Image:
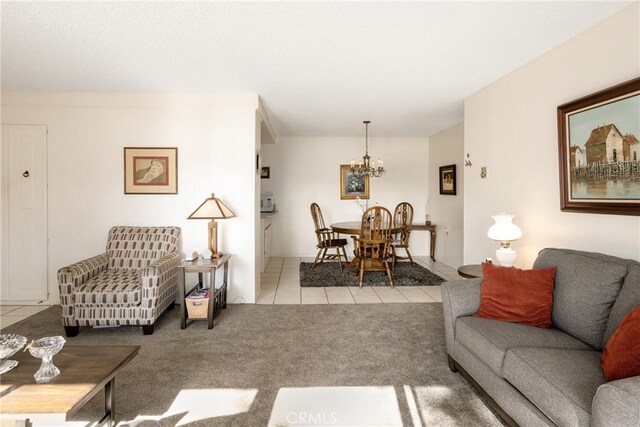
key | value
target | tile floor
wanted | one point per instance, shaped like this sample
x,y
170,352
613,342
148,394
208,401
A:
x,y
10,314
281,285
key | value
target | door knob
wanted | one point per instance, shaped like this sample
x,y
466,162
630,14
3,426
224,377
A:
x,y
26,174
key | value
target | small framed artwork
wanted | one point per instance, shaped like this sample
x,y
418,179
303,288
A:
x,y
265,173
599,151
448,180
150,170
353,186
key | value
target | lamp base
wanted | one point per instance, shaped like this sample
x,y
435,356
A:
x,y
506,256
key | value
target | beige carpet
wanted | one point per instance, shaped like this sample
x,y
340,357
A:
x,y
295,365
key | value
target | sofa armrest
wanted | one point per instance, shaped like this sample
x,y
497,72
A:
x,y
159,285
617,404
80,272
160,266
74,275
459,298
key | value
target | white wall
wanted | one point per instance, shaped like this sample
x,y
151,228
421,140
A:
x,y
306,170
446,211
510,126
215,136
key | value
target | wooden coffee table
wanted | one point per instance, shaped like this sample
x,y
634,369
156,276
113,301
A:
x,y
84,371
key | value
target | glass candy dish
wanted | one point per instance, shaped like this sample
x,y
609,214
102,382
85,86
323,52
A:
x,y
9,344
45,348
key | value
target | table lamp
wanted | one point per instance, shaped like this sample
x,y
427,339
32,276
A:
x,y
212,208
504,231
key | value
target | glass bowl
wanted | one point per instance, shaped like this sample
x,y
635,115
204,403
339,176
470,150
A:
x,y
9,344
45,348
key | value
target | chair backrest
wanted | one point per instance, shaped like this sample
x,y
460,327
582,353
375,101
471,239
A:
x,y
133,248
403,218
318,222
376,223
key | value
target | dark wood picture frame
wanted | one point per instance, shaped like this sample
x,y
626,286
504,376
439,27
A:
x,y
265,173
140,175
448,180
577,165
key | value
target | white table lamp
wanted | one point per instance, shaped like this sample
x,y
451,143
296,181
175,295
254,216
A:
x,y
504,231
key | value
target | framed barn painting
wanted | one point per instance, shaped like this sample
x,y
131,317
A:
x,y
150,170
599,151
353,186
448,180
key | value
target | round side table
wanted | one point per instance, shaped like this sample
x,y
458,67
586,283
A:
x,y
470,271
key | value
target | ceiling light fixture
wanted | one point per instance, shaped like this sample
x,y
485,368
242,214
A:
x,y
364,168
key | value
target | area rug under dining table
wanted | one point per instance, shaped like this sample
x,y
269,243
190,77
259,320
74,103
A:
x,y
329,274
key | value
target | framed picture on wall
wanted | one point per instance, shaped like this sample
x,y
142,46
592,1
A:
x,y
353,186
150,170
599,151
448,180
265,173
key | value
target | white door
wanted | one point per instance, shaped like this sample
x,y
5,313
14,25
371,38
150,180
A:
x,y
24,213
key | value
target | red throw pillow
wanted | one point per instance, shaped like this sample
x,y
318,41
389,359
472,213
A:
x,y
514,295
621,356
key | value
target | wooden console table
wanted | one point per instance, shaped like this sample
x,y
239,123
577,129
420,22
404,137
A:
x,y
431,228
84,372
217,297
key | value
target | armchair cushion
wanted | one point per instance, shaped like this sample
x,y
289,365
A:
x,y
136,247
110,288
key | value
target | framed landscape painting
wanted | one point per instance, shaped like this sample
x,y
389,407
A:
x,y
353,186
448,180
599,151
150,170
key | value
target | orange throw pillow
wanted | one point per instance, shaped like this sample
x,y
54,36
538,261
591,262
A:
x,y
621,356
514,295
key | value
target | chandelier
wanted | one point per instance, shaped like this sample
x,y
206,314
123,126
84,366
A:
x,y
365,168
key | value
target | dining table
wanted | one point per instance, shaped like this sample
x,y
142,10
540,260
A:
x,y
352,228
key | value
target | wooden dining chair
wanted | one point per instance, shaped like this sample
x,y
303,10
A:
x,y
373,245
327,239
402,219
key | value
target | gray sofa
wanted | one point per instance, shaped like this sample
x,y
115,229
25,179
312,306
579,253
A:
x,y
541,377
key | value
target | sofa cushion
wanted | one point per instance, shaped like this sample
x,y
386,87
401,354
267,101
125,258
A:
x,y
587,285
490,339
621,356
514,295
110,288
137,247
628,298
561,383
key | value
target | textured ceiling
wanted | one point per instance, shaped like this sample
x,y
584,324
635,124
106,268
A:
x,y
320,67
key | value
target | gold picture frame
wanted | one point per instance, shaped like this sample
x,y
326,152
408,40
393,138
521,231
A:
x,y
352,186
150,170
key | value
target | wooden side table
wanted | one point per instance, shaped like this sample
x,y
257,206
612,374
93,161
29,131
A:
x,y
217,297
470,271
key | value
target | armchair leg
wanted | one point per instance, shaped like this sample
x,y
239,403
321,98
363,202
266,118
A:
x,y
171,306
147,329
71,331
361,263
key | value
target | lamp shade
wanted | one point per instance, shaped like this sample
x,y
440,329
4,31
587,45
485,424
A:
x,y
504,230
212,208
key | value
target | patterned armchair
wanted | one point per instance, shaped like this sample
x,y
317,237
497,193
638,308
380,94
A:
x,y
132,283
